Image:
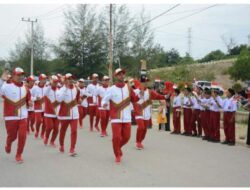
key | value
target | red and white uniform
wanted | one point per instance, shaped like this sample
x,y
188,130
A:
x,y
229,109
83,105
16,98
31,115
205,116
120,96
177,114
143,113
215,118
68,114
104,112
50,114
37,94
187,115
91,92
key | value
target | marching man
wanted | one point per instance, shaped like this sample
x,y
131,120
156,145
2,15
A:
x,y
91,92
187,111
16,100
68,96
83,104
143,109
37,94
51,111
30,81
104,112
120,96
176,112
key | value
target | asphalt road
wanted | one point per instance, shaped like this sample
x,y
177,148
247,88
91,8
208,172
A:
x,y
167,161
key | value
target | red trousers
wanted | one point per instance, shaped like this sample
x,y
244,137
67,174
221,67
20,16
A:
x,y
40,121
177,120
196,118
187,120
121,135
215,125
51,124
205,122
141,129
16,128
82,114
229,126
93,111
64,126
30,121
104,115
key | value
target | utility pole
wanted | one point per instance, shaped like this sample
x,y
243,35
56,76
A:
x,y
32,45
189,41
110,46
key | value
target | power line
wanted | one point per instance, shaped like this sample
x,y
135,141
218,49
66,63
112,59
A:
x,y
185,17
150,20
51,12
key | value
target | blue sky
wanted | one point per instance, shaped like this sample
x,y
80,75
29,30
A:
x,y
230,20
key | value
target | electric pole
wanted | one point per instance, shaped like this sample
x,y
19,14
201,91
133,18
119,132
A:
x,y
110,46
32,45
189,41
248,40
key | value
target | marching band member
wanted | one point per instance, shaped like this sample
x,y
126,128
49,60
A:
x,y
31,114
37,94
120,96
177,112
68,96
83,105
91,92
51,111
187,111
104,112
16,100
196,114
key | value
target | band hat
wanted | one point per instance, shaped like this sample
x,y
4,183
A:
x,y
54,78
81,80
42,76
18,71
106,78
30,78
119,70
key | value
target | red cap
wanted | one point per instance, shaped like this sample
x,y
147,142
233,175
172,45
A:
x,y
42,76
30,78
69,76
18,71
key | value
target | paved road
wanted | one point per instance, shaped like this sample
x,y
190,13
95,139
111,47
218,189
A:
x,y
167,160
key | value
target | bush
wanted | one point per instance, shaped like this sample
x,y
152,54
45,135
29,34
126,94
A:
x,y
237,87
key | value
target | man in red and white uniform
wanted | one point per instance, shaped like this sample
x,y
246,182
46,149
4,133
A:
x,y
68,96
83,104
104,112
51,111
37,94
143,112
31,114
120,96
16,100
91,92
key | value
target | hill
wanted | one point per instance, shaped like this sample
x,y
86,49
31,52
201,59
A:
x,y
211,71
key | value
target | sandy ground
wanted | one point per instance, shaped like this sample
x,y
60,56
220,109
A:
x,y
167,161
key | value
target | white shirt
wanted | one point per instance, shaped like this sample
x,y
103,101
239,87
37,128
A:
x,y
177,101
230,105
186,102
214,106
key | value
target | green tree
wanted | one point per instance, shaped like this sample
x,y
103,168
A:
x,y
241,68
213,55
20,55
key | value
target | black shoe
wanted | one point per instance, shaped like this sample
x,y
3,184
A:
x,y
216,141
204,138
194,135
231,143
173,133
224,142
184,133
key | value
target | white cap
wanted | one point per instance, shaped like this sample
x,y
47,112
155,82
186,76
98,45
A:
x,y
68,75
117,71
105,77
95,75
81,80
17,71
54,78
